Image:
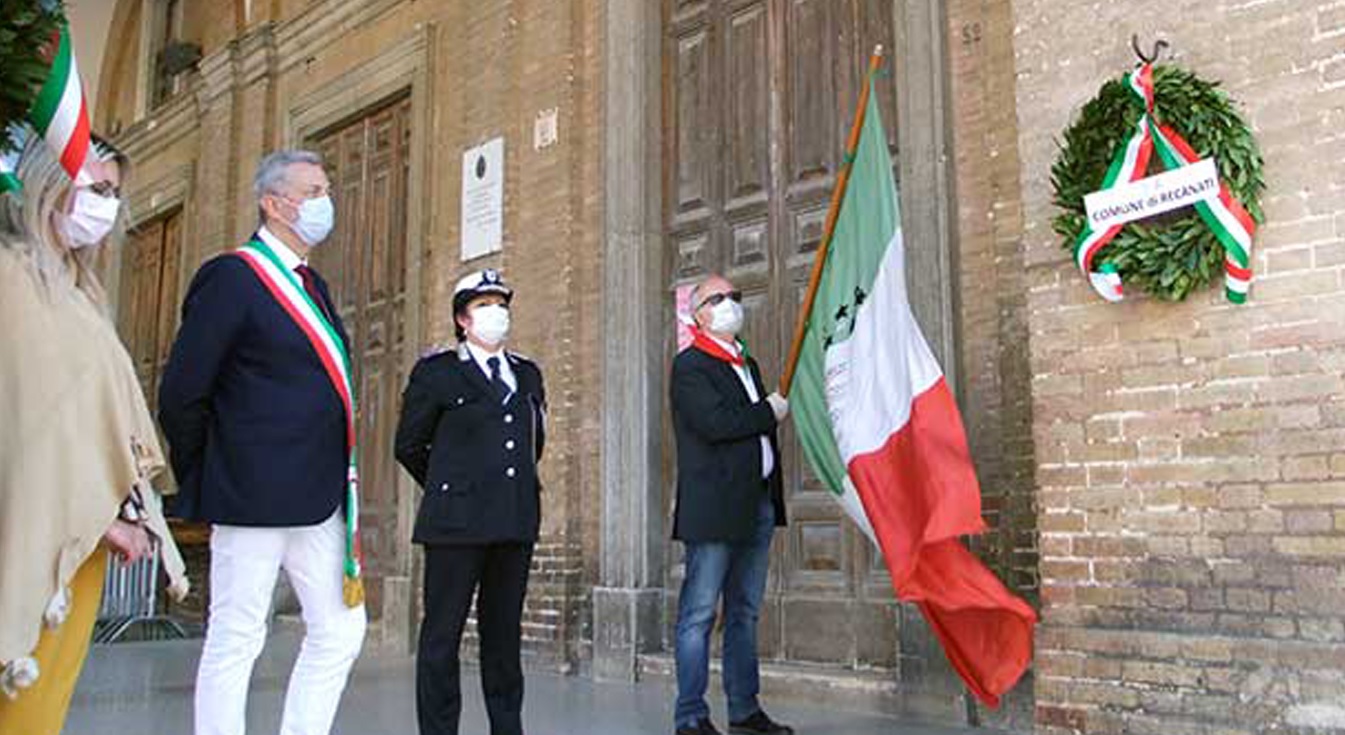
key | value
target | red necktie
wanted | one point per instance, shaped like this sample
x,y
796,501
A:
x,y
311,286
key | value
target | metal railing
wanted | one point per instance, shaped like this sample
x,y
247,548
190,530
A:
x,y
130,598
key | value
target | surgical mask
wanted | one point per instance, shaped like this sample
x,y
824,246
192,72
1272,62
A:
x,y
490,323
90,219
316,218
726,317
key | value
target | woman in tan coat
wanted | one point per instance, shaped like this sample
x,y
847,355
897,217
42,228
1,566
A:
x,y
77,444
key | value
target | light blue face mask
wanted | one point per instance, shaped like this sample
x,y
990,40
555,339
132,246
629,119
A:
x,y
317,216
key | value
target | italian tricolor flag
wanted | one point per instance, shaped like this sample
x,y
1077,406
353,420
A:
x,y
882,430
60,114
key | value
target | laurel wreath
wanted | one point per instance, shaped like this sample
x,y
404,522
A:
x,y
26,28
1171,255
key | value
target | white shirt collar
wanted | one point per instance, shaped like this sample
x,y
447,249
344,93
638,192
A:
x,y
288,258
731,347
481,354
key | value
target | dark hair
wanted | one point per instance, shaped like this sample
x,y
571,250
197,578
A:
x,y
458,331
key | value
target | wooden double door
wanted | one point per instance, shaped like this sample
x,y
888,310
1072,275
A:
x,y
364,261
148,305
759,99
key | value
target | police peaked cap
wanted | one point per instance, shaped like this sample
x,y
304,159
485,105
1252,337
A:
x,y
477,284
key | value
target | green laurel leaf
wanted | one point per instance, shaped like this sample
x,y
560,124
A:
x,y
1172,255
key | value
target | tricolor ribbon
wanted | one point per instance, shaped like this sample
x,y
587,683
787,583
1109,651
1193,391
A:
x,y
335,359
1225,216
60,114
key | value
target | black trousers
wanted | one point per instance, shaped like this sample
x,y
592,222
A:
x,y
498,575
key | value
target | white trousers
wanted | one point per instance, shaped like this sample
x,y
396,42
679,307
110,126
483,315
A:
x,y
244,563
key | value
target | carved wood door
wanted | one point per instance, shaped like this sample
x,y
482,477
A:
x,y
759,99
148,310
364,262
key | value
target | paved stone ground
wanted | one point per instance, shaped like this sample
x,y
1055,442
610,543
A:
x,y
146,689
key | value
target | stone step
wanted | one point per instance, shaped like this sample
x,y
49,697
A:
x,y
871,691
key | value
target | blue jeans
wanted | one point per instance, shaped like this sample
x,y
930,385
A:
x,y
738,571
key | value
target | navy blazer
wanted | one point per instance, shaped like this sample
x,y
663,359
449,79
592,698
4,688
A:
x,y
475,456
718,429
256,431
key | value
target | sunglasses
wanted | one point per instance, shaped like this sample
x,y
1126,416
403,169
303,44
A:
x,y
715,299
105,189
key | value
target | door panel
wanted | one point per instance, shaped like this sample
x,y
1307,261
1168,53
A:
x,y
364,261
148,313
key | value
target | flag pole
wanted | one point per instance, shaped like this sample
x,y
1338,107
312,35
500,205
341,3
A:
x,y
837,196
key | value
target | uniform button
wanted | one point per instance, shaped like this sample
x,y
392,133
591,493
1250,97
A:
x,y
443,488
460,400
509,444
510,472
509,418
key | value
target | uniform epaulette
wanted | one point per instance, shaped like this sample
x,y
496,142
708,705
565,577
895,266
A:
x,y
521,357
437,350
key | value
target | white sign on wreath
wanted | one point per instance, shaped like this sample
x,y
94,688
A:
x,y
1153,195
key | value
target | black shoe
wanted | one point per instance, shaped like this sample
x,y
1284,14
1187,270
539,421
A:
x,y
760,724
704,727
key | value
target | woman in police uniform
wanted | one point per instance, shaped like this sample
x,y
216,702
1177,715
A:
x,y
471,433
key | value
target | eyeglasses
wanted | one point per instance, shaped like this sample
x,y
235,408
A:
x,y
715,299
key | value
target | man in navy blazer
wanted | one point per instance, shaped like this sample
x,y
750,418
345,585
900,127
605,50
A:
x,y
257,435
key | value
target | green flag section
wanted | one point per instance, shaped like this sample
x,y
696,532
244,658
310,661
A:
x,y
880,427
8,181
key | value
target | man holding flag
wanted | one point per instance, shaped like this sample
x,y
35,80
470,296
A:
x,y
880,427
729,500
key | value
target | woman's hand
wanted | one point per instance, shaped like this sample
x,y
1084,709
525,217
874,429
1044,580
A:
x,y
129,540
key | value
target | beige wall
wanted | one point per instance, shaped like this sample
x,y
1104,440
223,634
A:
x,y
90,23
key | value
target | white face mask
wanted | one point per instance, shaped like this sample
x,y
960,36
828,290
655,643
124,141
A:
x,y
726,317
90,219
316,218
490,323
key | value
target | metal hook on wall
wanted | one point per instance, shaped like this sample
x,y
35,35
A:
x,y
1159,45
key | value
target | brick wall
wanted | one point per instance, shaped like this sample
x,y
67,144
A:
x,y
508,62
994,379
1191,457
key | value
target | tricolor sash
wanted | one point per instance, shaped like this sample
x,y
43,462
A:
x,y
290,294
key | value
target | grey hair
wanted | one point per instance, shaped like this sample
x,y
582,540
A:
x,y
273,172
693,299
28,219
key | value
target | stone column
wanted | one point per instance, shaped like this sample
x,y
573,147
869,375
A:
x,y
254,89
216,170
627,602
923,137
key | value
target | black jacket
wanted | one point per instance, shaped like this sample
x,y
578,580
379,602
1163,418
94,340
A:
x,y
719,430
475,457
256,431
